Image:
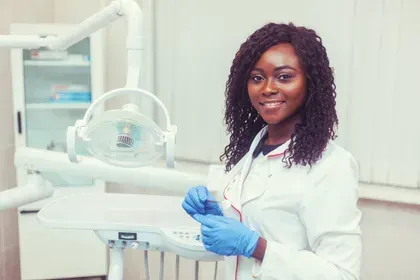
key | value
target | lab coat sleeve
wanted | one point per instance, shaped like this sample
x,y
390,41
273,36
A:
x,y
331,217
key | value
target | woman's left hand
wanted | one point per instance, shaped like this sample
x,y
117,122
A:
x,y
226,236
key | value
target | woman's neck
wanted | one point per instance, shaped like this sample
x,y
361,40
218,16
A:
x,y
281,132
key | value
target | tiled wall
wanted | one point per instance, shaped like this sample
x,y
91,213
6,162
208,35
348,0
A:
x,y
27,11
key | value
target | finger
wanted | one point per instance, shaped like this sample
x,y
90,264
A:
x,y
202,194
189,204
219,219
190,210
205,230
198,217
213,247
195,202
216,220
208,220
211,240
214,211
211,204
207,247
207,235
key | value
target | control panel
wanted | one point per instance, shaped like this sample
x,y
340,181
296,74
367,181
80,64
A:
x,y
186,243
187,238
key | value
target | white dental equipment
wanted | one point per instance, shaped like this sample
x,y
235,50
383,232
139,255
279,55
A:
x,y
122,139
140,222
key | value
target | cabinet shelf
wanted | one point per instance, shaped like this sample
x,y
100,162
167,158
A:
x,y
41,123
57,63
54,106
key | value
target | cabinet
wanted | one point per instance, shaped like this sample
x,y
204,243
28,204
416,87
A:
x,y
51,90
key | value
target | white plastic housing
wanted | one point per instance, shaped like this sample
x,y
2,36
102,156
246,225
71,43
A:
x,y
121,220
35,189
158,178
100,131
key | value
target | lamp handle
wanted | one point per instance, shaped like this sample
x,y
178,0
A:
x,y
121,91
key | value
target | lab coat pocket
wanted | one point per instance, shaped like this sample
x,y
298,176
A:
x,y
285,191
278,210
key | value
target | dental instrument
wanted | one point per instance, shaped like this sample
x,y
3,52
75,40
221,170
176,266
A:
x,y
123,143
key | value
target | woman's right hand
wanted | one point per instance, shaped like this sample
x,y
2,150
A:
x,y
197,202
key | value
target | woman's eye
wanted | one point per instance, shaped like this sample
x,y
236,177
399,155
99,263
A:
x,y
284,77
256,78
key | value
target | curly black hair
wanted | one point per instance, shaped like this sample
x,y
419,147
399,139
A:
x,y
318,117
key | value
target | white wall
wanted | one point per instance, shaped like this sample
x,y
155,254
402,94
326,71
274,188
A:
x,y
391,241
373,46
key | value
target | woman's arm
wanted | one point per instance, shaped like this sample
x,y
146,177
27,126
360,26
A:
x,y
332,219
260,249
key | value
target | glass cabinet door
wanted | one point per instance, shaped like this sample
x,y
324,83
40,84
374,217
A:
x,y
57,87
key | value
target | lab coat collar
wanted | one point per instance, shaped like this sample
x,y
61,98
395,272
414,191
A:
x,y
234,195
279,151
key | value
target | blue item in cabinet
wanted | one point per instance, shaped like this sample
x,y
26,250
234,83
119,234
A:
x,y
71,97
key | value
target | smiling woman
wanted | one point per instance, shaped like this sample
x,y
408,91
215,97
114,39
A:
x,y
277,90
289,65
291,190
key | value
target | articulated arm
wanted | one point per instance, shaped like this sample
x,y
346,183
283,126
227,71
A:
x,y
63,41
24,41
36,189
114,11
156,178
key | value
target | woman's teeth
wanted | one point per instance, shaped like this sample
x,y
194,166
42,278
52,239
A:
x,y
272,104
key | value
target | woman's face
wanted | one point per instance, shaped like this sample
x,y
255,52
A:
x,y
277,84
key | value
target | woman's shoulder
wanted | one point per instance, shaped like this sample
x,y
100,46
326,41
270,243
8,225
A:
x,y
335,159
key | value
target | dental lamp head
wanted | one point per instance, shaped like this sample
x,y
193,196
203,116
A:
x,y
123,137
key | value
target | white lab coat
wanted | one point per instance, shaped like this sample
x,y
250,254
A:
x,y
309,217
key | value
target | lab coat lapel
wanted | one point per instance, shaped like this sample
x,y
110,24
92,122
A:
x,y
255,191
236,198
231,183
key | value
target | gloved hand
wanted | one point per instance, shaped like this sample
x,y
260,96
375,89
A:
x,y
227,236
196,202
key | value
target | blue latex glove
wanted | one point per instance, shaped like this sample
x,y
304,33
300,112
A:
x,y
226,236
195,202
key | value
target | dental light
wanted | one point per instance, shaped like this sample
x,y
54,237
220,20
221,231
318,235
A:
x,y
123,137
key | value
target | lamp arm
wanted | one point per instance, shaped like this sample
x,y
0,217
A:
x,y
156,178
116,92
90,25
24,41
114,11
35,189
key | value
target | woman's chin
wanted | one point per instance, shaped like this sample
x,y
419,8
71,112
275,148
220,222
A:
x,y
271,120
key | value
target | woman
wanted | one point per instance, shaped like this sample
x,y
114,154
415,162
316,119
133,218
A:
x,y
292,191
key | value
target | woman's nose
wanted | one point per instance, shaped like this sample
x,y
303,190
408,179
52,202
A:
x,y
270,87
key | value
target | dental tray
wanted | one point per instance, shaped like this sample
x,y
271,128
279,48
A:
x,y
143,222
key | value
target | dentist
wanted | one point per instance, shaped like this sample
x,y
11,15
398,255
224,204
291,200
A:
x,y
292,190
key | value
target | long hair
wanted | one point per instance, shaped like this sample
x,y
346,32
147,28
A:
x,y
318,117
